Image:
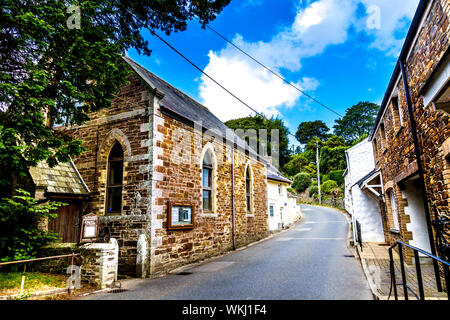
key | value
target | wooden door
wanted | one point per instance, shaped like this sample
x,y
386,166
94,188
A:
x,y
68,222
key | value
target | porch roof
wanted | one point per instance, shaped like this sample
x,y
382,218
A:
x,y
62,179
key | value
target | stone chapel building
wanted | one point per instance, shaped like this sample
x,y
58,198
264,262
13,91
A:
x,y
161,170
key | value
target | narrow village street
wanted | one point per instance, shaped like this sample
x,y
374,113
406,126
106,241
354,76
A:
x,y
310,261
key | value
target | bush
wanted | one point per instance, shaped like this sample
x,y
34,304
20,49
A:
x,y
313,190
325,178
292,190
20,217
328,186
338,176
301,182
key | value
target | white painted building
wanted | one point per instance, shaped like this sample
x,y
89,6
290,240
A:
x,y
282,205
363,190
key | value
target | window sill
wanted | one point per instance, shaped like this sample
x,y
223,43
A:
x,y
209,215
394,231
250,215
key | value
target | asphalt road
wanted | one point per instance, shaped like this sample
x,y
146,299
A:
x,y
310,261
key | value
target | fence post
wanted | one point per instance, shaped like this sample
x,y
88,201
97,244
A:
x,y
402,268
393,274
419,275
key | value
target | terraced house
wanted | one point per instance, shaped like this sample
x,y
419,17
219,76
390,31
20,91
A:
x,y
411,137
170,182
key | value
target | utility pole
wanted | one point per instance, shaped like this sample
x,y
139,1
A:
x,y
318,170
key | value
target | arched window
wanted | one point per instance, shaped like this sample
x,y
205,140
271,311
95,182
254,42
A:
x,y
207,181
114,180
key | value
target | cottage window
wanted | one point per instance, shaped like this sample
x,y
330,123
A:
x,y
383,137
248,189
394,211
279,189
442,102
115,180
271,210
398,117
207,182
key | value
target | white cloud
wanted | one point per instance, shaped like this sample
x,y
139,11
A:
x,y
309,35
394,16
320,24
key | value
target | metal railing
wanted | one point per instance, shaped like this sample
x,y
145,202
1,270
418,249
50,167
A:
x,y
358,234
406,287
71,271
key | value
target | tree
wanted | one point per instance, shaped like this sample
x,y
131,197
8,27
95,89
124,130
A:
x,y
48,65
312,129
260,122
332,154
301,182
328,186
358,120
296,165
19,220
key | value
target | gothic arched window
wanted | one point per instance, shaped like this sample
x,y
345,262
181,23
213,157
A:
x,y
114,180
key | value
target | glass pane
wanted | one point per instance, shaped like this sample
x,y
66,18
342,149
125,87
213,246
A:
x,y
115,173
206,200
271,211
206,178
248,203
207,159
116,152
115,200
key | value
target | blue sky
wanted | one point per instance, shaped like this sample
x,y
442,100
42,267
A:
x,y
339,51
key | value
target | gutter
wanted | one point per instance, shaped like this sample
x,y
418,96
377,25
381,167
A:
x,y
420,169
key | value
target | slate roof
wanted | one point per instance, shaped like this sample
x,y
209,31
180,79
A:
x,y
274,174
63,178
180,104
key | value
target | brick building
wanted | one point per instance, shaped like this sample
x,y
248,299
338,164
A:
x,y
160,168
416,104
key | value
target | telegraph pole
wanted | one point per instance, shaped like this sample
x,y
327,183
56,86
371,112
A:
x,y
318,170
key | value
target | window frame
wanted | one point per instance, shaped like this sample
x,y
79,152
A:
x,y
110,187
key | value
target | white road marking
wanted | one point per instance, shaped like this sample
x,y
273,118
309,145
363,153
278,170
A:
x,y
303,229
289,239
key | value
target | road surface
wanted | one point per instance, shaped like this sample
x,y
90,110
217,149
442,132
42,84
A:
x,y
309,261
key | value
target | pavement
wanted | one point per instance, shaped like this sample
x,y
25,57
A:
x,y
376,265
310,261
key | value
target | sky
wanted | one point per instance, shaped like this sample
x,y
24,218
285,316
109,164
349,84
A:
x,y
340,52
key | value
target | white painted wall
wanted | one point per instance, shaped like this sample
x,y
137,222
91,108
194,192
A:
x,y
294,211
279,203
361,204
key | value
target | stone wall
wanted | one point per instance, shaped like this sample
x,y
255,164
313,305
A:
x,y
177,158
127,121
396,156
98,262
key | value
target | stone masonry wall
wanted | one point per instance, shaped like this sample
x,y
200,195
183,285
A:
x,y
128,122
177,162
396,156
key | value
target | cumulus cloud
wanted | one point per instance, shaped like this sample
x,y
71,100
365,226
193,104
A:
x,y
320,24
393,16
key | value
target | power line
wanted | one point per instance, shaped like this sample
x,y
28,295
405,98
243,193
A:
x,y
202,71
273,72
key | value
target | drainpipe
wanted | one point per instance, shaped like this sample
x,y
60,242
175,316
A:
x,y
232,194
420,170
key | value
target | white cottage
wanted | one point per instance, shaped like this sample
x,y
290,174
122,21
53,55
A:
x,y
362,194
282,205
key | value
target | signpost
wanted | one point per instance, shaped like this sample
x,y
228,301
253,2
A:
x,y
89,228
